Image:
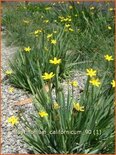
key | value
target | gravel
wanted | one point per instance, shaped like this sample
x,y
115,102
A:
x,y
11,141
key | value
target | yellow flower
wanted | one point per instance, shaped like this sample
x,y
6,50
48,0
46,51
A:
x,y
37,32
70,7
111,9
43,114
56,106
70,20
8,72
55,61
109,27
113,83
49,36
53,41
76,15
61,17
70,29
27,49
67,25
92,8
78,107
78,2
26,21
48,8
65,19
91,72
74,83
46,21
48,76
11,89
95,82
108,57
55,32
13,120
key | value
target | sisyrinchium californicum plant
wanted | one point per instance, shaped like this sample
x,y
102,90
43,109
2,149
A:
x,y
78,34
30,59
63,124
53,39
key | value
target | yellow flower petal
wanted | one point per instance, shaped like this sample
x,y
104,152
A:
x,y
11,89
55,61
113,83
74,83
27,49
48,76
8,72
109,27
78,107
91,72
13,120
43,114
108,57
53,41
56,106
95,82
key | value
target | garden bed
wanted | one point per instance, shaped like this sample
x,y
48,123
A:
x,y
60,78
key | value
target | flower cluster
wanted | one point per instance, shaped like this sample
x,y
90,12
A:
x,y
92,74
37,32
65,19
49,37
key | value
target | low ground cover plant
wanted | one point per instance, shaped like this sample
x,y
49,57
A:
x,y
56,39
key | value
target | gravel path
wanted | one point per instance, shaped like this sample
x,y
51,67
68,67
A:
x,y
11,142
